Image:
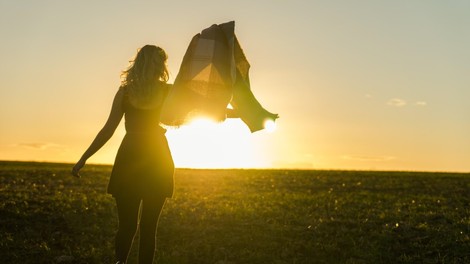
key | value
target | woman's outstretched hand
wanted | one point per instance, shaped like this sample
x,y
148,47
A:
x,y
76,169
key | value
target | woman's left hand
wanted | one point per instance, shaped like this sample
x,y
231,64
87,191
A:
x,y
76,169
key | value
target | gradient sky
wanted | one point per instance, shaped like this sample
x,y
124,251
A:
x,y
363,85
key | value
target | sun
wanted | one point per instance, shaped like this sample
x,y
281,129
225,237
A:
x,y
206,144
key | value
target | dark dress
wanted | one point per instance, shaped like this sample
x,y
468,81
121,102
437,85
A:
x,y
144,166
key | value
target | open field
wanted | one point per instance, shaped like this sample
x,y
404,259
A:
x,y
242,216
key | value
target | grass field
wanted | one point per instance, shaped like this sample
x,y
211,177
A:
x,y
242,216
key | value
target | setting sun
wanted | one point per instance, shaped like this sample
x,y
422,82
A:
x,y
206,144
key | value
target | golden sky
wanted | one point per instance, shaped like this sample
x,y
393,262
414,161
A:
x,y
358,84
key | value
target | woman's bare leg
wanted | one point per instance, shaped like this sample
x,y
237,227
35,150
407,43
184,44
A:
x,y
151,209
128,211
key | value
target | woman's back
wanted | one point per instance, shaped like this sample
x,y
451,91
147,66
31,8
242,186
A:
x,y
141,120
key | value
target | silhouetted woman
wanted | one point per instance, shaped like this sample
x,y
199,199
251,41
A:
x,y
143,169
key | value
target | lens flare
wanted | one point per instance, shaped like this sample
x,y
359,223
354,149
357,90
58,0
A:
x,y
270,125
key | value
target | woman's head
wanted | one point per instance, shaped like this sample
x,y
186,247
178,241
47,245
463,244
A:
x,y
146,72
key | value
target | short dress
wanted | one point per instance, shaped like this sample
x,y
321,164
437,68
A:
x,y
143,166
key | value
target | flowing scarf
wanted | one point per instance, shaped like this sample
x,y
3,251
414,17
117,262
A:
x,y
212,75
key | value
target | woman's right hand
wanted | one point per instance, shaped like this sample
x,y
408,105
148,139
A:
x,y
76,169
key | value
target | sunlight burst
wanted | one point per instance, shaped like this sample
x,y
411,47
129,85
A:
x,y
270,125
206,144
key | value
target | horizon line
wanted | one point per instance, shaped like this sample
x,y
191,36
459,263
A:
x,y
251,168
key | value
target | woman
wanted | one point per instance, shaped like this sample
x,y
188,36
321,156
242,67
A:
x,y
143,169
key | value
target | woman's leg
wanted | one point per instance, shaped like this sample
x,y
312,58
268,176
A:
x,y
128,211
151,209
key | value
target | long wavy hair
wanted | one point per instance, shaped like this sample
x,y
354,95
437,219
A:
x,y
145,78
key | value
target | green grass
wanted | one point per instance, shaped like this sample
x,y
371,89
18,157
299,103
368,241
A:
x,y
242,216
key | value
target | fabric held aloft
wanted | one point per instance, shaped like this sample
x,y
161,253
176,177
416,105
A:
x,y
212,75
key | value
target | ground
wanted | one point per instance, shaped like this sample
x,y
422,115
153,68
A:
x,y
242,216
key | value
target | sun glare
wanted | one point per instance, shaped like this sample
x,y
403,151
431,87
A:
x,y
270,125
206,144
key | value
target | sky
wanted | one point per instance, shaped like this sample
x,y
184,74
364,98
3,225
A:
x,y
358,85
